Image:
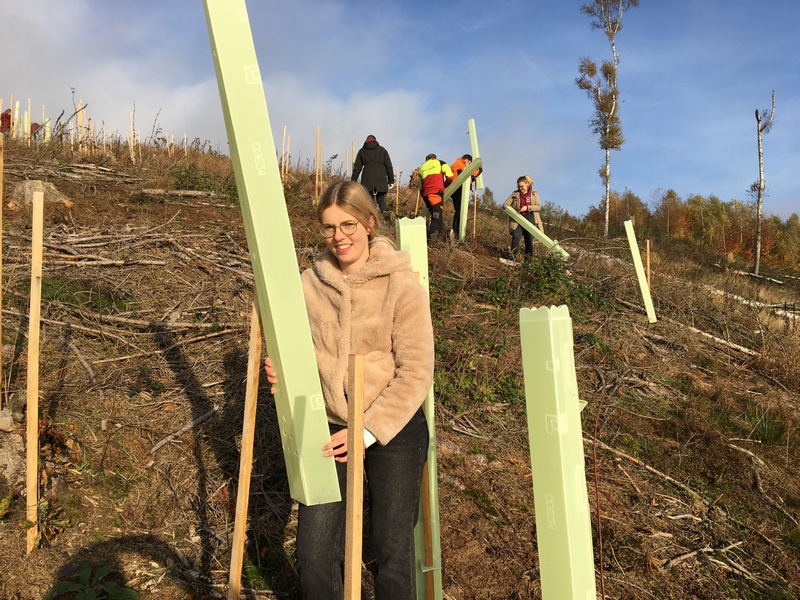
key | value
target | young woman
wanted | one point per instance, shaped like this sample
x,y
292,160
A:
x,y
527,203
363,298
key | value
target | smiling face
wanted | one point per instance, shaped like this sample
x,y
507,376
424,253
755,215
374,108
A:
x,y
351,250
522,186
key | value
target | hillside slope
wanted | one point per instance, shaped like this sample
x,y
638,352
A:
x,y
691,451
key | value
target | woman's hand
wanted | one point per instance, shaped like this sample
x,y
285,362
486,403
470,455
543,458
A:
x,y
272,376
337,447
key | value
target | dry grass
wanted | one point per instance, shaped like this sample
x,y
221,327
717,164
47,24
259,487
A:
x,y
132,353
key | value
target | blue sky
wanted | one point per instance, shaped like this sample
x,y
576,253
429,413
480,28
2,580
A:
x,y
692,74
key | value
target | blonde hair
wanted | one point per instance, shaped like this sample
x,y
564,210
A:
x,y
351,197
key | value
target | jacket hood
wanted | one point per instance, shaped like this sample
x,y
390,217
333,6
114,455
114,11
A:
x,y
383,260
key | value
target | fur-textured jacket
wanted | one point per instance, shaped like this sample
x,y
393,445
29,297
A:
x,y
382,312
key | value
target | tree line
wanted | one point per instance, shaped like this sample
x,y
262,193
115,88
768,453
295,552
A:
x,y
728,228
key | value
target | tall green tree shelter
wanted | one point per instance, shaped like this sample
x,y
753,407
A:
x,y
763,125
600,84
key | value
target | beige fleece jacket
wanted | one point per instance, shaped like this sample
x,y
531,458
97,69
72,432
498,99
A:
x,y
382,312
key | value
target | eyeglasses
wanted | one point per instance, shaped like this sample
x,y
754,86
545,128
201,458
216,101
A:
x,y
346,227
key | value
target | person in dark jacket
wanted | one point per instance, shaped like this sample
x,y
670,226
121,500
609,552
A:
x,y
378,173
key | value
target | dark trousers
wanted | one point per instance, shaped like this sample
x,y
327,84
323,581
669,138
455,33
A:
x,y
457,215
521,232
380,198
436,224
394,476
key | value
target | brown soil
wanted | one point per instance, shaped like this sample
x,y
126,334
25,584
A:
x,y
144,329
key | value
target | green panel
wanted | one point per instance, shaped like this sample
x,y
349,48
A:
x,y
473,140
563,528
412,238
462,220
299,401
637,263
550,244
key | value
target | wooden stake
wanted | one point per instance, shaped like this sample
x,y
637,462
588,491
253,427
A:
x,y
648,264
416,206
425,491
397,192
283,154
32,417
2,394
246,456
475,214
316,170
355,479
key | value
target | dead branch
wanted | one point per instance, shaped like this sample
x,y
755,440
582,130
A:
x,y
182,193
767,497
199,338
647,467
184,429
669,563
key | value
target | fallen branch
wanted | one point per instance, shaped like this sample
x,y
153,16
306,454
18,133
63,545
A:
x,y
183,193
715,338
767,497
199,420
707,550
647,467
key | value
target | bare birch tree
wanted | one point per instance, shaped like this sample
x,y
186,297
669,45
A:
x,y
601,85
763,125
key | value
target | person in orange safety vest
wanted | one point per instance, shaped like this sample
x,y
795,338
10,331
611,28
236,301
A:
x,y
459,165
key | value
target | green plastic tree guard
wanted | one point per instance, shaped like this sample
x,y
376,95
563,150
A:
x,y
563,528
411,237
637,264
300,405
473,139
549,244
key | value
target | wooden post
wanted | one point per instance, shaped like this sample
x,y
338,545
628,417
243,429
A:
x,y
475,214
355,479
648,265
316,170
2,395
283,154
32,416
416,206
397,192
246,455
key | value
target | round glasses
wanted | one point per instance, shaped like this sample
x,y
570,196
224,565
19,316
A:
x,y
346,227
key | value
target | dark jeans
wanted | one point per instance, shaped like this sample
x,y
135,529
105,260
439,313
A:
x,y
520,232
457,215
394,476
